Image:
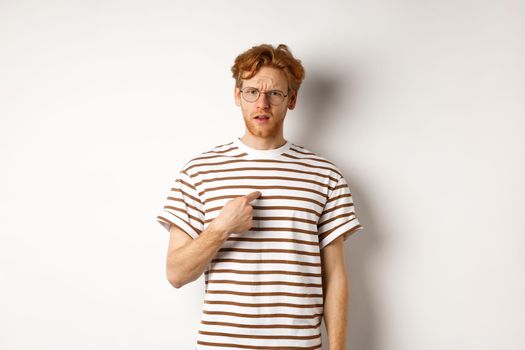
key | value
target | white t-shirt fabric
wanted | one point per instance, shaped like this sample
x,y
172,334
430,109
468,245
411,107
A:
x,y
264,286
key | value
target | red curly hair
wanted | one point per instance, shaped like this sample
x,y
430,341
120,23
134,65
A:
x,y
248,63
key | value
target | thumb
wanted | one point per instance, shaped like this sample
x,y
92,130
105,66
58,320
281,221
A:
x,y
253,195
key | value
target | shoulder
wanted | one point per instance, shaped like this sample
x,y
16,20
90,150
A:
x,y
209,155
310,156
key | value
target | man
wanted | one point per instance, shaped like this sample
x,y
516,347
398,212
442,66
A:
x,y
264,219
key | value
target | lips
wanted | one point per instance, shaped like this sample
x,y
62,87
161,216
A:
x,y
262,119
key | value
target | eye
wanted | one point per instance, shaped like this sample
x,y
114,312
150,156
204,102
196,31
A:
x,y
276,93
251,91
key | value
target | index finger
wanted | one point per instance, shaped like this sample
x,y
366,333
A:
x,y
253,195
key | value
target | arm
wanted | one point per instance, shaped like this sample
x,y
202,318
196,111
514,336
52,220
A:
x,y
335,291
188,257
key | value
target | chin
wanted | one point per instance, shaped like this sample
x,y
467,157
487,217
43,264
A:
x,y
265,131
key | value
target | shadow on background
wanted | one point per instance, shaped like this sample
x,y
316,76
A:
x,y
321,100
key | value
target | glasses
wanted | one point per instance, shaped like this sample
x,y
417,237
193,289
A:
x,y
251,94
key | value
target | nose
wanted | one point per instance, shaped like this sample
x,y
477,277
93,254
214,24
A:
x,y
263,101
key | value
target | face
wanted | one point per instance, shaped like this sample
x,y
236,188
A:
x,y
267,78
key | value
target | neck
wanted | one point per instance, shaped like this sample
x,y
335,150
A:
x,y
263,143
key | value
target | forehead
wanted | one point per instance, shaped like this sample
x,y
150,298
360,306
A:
x,y
268,78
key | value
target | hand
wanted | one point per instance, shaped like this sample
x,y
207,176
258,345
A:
x,y
236,215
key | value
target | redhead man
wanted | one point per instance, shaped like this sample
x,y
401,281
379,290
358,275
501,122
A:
x,y
264,219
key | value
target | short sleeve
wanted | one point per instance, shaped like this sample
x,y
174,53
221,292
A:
x,y
183,207
338,216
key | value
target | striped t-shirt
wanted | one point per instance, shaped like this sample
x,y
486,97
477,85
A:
x,y
264,286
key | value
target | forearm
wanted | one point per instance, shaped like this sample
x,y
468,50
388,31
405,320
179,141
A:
x,y
336,310
188,262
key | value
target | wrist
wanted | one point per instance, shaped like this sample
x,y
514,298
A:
x,y
217,230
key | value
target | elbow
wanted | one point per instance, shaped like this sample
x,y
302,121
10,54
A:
x,y
174,273
175,280
177,275
175,284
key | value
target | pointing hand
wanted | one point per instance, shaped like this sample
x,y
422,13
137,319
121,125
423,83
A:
x,y
236,215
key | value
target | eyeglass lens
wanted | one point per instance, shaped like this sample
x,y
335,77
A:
x,y
252,94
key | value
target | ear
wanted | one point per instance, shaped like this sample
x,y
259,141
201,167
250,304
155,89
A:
x,y
293,100
237,94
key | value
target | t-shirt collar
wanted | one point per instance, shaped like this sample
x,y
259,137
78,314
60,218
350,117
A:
x,y
261,153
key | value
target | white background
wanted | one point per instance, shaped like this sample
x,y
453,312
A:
x,y
420,104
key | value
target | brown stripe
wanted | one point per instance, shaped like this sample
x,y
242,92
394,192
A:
x,y
289,188
344,215
226,313
305,210
196,199
186,183
339,186
261,294
268,218
249,239
301,151
285,178
307,158
270,261
289,251
176,199
215,151
288,326
324,234
265,283
263,272
219,156
172,223
339,197
307,165
302,306
257,336
216,148
255,347
302,199
185,213
284,229
234,170
338,207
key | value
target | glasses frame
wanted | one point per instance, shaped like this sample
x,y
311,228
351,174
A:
x,y
263,92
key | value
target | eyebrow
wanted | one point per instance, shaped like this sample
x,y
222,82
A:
x,y
273,89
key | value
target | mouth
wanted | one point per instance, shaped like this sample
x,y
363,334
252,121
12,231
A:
x,y
262,119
